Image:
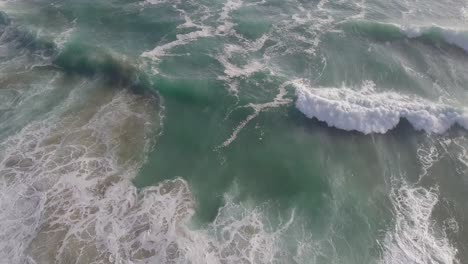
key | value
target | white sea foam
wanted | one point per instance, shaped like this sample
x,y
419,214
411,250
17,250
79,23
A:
x,y
181,39
225,16
428,155
279,100
462,154
154,2
369,111
63,37
224,28
457,149
233,71
415,238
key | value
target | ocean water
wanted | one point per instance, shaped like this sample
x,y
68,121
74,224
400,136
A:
x,y
234,131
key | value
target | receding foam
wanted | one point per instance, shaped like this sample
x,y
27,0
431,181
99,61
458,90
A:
x,y
369,111
415,237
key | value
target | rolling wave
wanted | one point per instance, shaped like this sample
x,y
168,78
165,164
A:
x,y
433,34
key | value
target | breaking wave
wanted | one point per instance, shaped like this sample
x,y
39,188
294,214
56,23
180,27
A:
x,y
368,111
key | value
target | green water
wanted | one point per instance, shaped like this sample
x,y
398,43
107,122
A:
x,y
214,131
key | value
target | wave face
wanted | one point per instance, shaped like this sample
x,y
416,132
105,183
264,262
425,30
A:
x,y
368,111
388,32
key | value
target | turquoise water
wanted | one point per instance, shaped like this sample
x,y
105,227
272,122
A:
x,y
230,131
